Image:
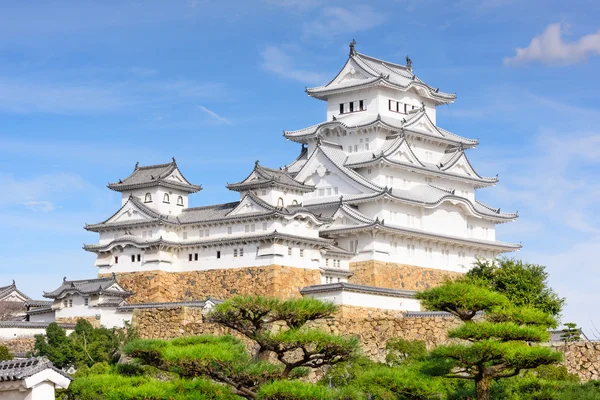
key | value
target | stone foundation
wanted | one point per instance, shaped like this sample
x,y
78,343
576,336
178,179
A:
x,y
582,358
73,320
372,327
273,280
397,276
19,346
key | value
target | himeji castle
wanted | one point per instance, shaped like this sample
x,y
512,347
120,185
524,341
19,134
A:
x,y
380,201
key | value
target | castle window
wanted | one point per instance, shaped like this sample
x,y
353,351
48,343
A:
x,y
366,143
70,302
361,105
301,252
341,108
180,201
351,106
218,253
354,246
195,256
289,251
264,226
116,259
133,258
166,198
190,257
294,202
148,198
349,149
327,262
280,202
184,235
139,257
241,252
246,228
392,105
229,230
235,252
86,301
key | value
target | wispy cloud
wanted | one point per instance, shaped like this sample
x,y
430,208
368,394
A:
x,y
216,116
334,21
549,48
280,63
37,205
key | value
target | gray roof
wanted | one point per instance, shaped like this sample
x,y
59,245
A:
x,y
407,125
174,304
275,235
30,324
154,175
204,215
41,310
393,143
428,314
337,272
380,72
412,232
298,163
262,177
6,290
351,287
88,287
16,370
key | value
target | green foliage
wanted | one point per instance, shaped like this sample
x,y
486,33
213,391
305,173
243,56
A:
x,y
524,315
553,373
462,299
532,388
502,331
5,354
402,351
343,374
570,332
522,283
56,346
116,387
297,390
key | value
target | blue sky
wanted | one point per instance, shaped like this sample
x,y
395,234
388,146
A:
x,y
89,88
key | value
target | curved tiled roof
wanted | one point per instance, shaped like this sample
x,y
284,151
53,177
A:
x,y
87,287
16,370
266,177
351,287
174,304
154,175
379,225
275,235
383,73
364,120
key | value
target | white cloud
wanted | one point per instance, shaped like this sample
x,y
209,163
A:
x,y
549,48
279,62
335,21
39,205
216,116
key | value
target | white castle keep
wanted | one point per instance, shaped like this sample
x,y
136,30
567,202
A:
x,y
377,180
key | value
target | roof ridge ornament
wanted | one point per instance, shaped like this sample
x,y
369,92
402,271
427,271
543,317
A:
x,y
137,165
409,63
174,162
352,49
256,163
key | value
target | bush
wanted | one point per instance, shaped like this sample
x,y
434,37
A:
x,y
5,354
404,351
297,390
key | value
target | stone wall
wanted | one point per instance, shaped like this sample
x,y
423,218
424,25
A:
x,y
19,345
273,280
582,358
73,320
397,276
373,327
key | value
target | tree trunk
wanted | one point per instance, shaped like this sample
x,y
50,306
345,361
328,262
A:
x,y
483,387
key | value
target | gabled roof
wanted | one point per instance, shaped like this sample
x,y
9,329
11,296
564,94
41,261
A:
x,y
208,242
17,370
298,163
132,202
167,175
5,291
352,287
397,143
415,124
262,177
89,287
418,233
337,157
361,71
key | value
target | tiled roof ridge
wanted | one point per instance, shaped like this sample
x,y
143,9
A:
x,y
328,287
355,176
16,370
172,163
359,54
231,203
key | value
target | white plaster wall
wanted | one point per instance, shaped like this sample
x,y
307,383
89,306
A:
x,y
16,393
46,317
79,308
158,204
12,333
348,298
42,391
110,318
